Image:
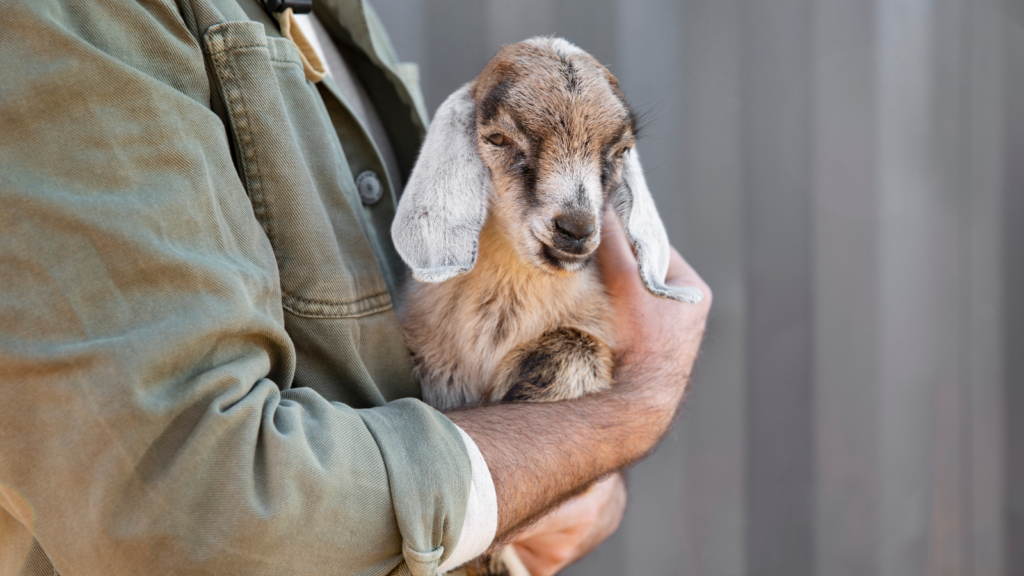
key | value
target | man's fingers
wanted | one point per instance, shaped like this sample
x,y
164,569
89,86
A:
x,y
618,262
615,255
680,273
573,529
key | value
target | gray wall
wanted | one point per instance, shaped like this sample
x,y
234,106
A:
x,y
849,178
1013,260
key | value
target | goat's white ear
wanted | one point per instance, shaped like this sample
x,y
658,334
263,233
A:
x,y
437,225
635,206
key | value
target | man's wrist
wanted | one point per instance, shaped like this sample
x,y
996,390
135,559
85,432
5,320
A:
x,y
651,396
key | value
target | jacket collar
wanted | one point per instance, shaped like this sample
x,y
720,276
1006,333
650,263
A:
x,y
355,23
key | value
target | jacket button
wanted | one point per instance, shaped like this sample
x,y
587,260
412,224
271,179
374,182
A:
x,y
369,187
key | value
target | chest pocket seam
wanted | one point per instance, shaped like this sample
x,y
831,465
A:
x,y
235,101
365,306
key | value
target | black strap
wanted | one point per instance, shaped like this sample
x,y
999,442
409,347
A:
x,y
297,6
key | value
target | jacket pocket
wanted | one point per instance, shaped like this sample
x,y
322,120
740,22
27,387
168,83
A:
x,y
295,174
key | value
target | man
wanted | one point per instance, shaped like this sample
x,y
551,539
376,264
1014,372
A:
x,y
201,369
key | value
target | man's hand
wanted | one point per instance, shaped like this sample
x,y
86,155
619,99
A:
x,y
541,454
657,338
572,530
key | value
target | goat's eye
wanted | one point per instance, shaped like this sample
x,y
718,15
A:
x,y
499,139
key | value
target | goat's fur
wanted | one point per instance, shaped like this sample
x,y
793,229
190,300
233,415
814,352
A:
x,y
500,221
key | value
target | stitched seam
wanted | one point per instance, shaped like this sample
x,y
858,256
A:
x,y
379,295
221,40
227,45
338,315
291,62
307,308
235,99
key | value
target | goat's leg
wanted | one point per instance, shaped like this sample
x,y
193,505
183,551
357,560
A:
x,y
561,364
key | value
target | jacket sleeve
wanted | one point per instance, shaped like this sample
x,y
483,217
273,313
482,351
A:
x,y
147,424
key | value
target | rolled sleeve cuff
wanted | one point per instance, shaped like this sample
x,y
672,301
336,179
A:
x,y
429,473
481,522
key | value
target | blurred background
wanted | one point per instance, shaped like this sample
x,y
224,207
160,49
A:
x,y
849,178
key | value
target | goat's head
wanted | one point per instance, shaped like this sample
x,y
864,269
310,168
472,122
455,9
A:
x,y
552,128
541,140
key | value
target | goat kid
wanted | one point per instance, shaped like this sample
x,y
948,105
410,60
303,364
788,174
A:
x,y
500,222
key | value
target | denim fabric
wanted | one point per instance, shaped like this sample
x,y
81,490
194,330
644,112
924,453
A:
x,y
200,367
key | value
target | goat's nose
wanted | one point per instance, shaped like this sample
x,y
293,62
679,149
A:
x,y
575,227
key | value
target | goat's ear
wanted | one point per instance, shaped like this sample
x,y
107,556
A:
x,y
635,206
437,225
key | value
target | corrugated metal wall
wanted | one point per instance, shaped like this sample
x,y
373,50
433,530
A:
x,y
849,178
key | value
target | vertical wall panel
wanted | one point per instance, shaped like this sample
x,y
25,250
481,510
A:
x,y
907,379
918,290
846,254
777,128
949,529
985,294
1013,260
706,222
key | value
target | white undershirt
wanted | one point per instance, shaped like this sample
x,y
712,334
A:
x,y
481,522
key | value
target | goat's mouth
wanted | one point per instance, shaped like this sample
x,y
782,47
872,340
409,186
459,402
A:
x,y
565,261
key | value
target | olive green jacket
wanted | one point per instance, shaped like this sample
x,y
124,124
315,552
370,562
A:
x,y
200,368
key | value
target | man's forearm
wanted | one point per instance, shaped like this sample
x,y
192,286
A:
x,y
541,454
